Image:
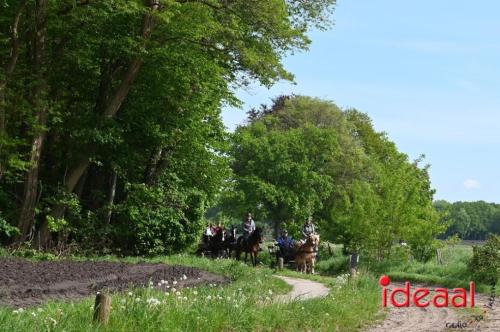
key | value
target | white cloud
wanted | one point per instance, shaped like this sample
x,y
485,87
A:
x,y
471,184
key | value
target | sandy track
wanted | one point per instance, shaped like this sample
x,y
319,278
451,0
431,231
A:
x,y
431,319
303,289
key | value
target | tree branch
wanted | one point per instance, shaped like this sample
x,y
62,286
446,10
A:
x,y
14,51
135,65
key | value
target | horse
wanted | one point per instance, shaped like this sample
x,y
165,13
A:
x,y
252,246
216,243
230,242
306,256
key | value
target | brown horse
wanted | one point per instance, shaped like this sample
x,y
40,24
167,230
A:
x,y
252,246
306,256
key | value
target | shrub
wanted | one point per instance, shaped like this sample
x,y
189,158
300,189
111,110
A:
x,y
160,219
485,262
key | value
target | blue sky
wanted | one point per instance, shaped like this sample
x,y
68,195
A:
x,y
427,73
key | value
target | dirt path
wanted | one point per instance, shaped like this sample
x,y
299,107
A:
x,y
303,289
432,319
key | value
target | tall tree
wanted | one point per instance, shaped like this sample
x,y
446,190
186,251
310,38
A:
x,y
107,95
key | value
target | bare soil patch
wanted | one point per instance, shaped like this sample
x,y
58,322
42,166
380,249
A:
x,y
24,283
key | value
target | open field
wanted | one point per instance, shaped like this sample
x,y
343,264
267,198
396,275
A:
x,y
24,283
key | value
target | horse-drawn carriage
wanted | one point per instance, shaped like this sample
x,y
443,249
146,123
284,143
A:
x,y
218,243
301,255
222,243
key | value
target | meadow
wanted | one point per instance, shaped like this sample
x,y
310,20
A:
x,y
245,304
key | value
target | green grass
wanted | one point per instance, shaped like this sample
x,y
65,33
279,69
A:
x,y
243,305
451,273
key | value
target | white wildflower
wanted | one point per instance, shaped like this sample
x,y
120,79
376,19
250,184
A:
x,y
153,302
130,293
270,292
174,282
195,292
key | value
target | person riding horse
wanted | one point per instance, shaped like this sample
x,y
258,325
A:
x,y
307,230
248,227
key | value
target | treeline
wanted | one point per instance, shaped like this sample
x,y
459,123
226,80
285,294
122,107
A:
x,y
110,127
470,220
305,157
111,135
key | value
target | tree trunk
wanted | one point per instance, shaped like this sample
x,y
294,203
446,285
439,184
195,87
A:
x,y
9,69
119,96
39,99
111,196
149,174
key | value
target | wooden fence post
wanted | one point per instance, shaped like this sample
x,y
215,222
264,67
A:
x,y
102,308
353,264
280,263
438,257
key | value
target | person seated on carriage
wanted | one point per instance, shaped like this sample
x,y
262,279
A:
x,y
307,230
248,227
218,228
207,235
209,230
285,243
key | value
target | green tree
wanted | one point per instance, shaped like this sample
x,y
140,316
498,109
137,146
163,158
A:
x,y
303,156
98,98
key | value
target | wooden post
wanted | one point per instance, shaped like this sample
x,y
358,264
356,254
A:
x,y
102,308
438,256
280,263
353,264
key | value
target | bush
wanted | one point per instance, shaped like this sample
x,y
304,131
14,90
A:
x,y
161,219
485,262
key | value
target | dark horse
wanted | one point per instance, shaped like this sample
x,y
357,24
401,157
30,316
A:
x,y
252,246
230,241
216,244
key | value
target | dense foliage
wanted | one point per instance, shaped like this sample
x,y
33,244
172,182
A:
x,y
470,220
110,128
304,156
485,262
